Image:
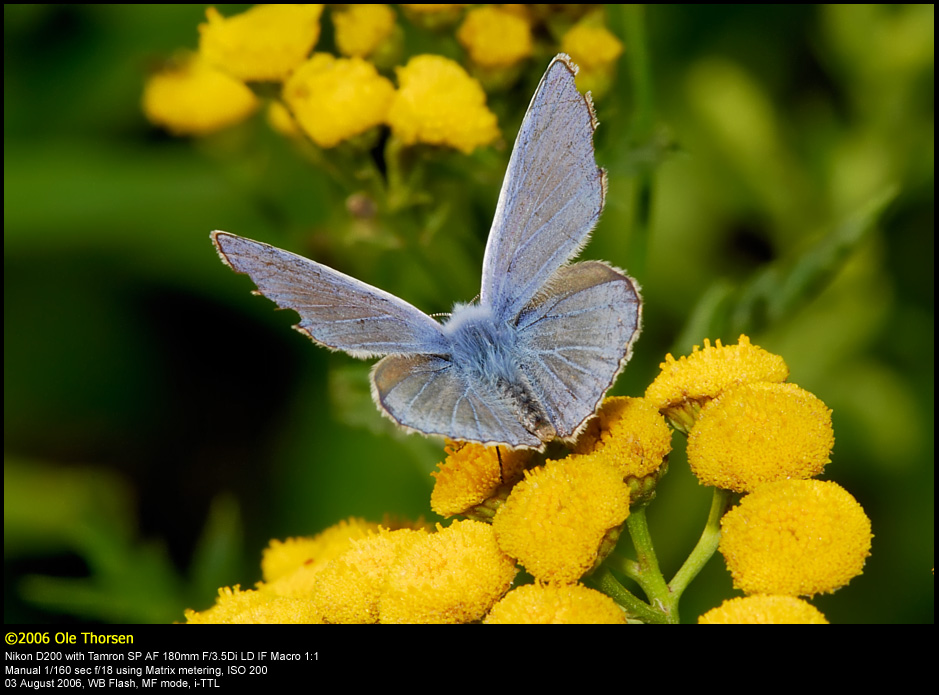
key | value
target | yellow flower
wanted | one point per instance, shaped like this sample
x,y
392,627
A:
x,y
563,518
591,46
495,38
453,576
759,433
362,29
764,610
439,104
683,385
237,607
630,434
468,481
264,43
595,50
193,98
281,558
555,604
795,537
348,588
334,99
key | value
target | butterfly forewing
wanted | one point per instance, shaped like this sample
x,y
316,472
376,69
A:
x,y
551,197
336,310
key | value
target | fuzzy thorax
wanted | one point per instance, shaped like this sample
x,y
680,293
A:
x,y
485,350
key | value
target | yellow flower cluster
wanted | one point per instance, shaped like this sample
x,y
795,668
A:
x,y
764,610
332,100
438,103
337,99
744,427
263,43
749,432
788,537
795,538
357,572
362,30
495,37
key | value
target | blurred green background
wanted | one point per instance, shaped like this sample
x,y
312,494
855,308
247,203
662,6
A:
x,y
161,424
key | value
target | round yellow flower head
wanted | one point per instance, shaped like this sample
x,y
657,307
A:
x,y
555,604
592,47
795,537
362,29
237,607
469,481
439,104
193,98
495,38
764,610
453,576
281,558
263,43
759,433
564,518
684,384
334,99
595,50
631,435
348,588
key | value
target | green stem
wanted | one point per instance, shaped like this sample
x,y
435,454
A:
x,y
397,190
647,573
706,546
604,580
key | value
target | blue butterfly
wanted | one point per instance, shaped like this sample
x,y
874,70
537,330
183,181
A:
x,y
531,361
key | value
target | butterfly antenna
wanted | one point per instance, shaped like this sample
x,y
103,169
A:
x,y
501,475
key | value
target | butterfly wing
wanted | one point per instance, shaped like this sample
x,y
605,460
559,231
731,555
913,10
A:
x,y
430,394
575,337
551,197
336,310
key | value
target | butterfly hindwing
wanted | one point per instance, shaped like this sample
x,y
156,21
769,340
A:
x,y
432,395
574,338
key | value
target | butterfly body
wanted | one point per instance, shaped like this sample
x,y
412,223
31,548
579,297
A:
x,y
531,361
486,350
